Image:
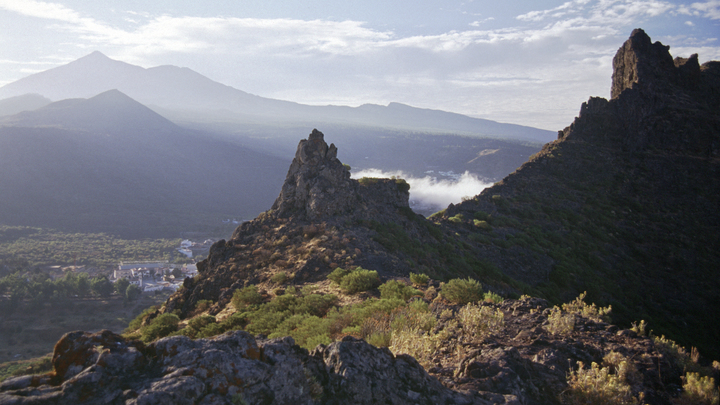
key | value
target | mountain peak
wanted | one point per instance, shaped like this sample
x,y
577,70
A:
x,y
318,185
640,61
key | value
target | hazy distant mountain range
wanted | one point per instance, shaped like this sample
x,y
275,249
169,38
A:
x,y
110,164
186,94
139,152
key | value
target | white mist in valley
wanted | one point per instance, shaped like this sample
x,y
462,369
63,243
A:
x,y
435,191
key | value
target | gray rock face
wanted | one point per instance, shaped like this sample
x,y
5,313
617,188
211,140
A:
x,y
104,368
317,184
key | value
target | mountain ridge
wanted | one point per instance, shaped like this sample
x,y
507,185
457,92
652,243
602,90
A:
x,y
179,89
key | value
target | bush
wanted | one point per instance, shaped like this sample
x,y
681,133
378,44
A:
x,y
246,296
559,322
461,291
137,322
337,275
396,289
359,280
279,278
698,390
132,292
480,321
419,279
161,326
492,297
596,386
457,218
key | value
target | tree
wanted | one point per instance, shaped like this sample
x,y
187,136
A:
x,y
83,284
177,272
121,286
102,286
132,292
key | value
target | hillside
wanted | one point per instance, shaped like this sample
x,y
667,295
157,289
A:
x,y
110,164
622,205
625,204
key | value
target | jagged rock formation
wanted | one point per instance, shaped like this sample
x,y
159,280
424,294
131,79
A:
x,y
318,186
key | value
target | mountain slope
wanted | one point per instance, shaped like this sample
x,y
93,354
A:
x,y
25,102
627,197
182,94
109,164
625,204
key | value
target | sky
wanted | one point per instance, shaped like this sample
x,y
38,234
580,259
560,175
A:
x,y
524,62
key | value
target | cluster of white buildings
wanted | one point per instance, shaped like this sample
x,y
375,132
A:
x,y
190,248
153,275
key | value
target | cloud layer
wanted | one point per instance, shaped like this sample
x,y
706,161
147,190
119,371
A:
x,y
433,192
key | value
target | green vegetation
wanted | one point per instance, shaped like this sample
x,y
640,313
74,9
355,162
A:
x,y
698,391
602,385
23,248
394,289
25,367
419,279
355,281
246,296
161,326
563,320
461,291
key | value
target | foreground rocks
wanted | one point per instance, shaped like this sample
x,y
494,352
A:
x,y
104,368
520,363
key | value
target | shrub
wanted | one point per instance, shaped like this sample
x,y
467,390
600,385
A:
x,y
137,322
492,297
396,289
337,275
698,390
202,306
579,307
201,322
596,386
482,224
359,280
559,322
457,218
461,291
481,321
161,326
246,296
280,278
419,279
639,328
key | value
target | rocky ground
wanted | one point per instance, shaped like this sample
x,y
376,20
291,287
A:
x,y
524,357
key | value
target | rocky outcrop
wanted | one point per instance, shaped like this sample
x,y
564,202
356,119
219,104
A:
x,y
318,185
104,368
656,102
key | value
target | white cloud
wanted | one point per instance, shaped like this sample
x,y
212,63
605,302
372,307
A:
x,y
709,9
429,192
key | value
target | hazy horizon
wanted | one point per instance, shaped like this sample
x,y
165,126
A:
x,y
516,62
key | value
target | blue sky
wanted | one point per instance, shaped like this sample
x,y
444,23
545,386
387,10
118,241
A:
x,y
524,62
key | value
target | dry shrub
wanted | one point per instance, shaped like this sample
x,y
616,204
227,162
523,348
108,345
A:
x,y
481,321
698,391
598,386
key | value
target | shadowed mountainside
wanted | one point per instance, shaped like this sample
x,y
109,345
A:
x,y
111,164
